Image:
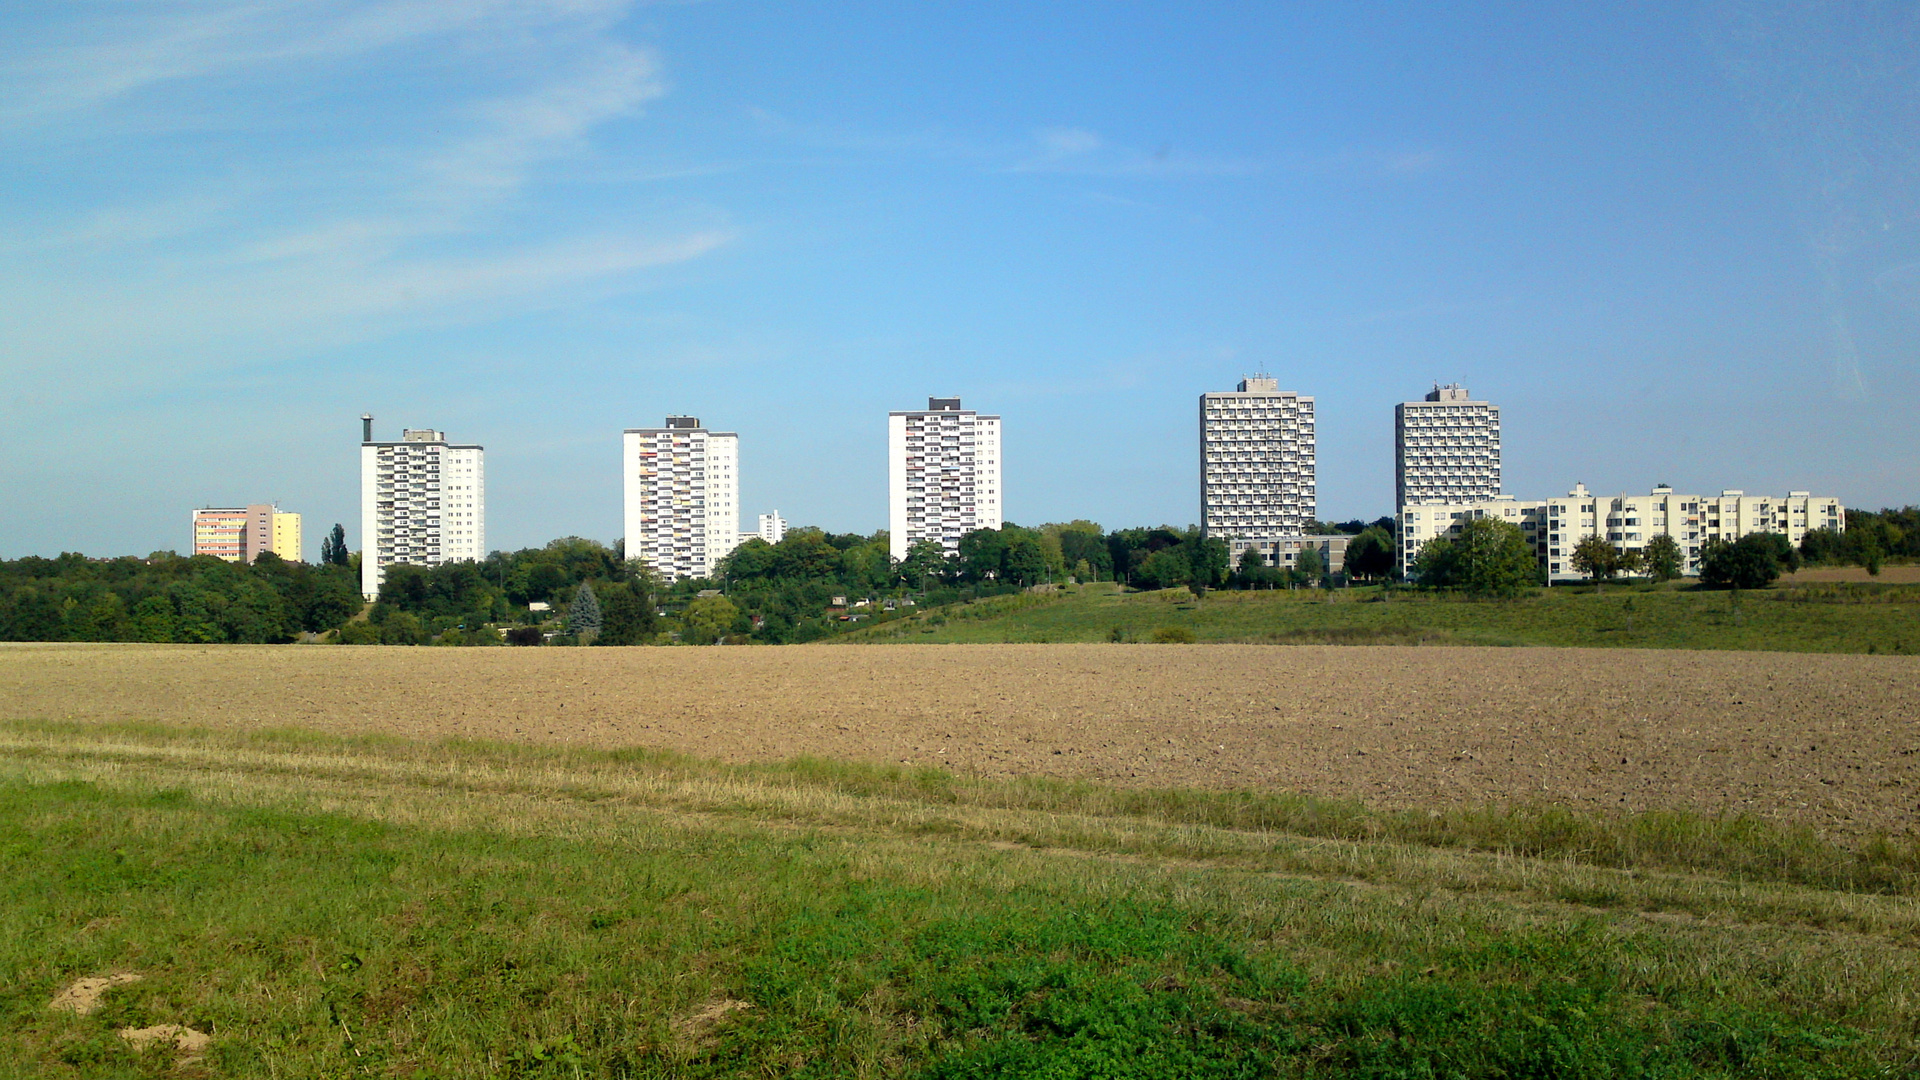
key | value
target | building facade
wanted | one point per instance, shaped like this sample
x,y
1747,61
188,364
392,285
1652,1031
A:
x,y
1256,462
682,497
244,533
1554,527
943,475
1283,552
1446,449
422,502
773,528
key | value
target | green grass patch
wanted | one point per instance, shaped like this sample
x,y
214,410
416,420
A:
x,y
355,907
1819,617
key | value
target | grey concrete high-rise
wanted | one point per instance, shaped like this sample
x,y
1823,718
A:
x,y
1256,461
1446,449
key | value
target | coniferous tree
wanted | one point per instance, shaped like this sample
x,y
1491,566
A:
x,y
583,616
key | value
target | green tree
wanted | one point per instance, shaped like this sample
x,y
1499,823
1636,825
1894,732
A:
x,y
153,619
1309,564
1210,560
1084,542
982,554
401,628
1595,558
333,547
1370,554
358,632
1163,569
583,615
1751,562
102,617
35,616
626,618
1024,561
708,619
753,560
1489,558
926,564
1662,558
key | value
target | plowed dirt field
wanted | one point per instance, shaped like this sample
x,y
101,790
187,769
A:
x,y
1828,741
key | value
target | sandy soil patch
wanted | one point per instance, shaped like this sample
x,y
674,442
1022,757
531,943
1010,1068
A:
x,y
190,1043
1827,740
82,997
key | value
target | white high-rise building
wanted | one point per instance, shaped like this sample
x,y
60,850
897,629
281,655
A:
x,y
1446,449
423,501
773,528
1256,461
1554,527
943,475
682,497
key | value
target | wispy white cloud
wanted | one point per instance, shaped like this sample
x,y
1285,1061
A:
x,y
337,234
98,57
1081,151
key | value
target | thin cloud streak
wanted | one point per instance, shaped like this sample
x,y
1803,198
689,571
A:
x,y
120,56
350,236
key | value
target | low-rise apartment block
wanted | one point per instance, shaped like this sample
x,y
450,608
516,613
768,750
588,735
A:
x,y
1284,551
244,533
1554,527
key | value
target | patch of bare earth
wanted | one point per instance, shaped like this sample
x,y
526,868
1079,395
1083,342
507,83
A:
x,y
1828,741
190,1044
82,996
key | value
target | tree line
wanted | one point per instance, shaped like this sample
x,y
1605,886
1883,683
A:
x,y
787,592
171,598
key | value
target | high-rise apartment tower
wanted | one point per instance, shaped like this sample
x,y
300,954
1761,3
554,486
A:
x,y
1446,449
423,501
943,475
1256,461
682,497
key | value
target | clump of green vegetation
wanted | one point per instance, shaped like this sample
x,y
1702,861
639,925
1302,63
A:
x,y
1841,618
1173,635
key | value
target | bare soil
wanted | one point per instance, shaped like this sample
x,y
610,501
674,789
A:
x,y
82,996
1829,741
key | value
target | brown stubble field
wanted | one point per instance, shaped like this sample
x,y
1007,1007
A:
x,y
1829,741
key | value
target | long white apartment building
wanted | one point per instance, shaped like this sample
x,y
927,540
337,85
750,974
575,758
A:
x,y
1256,461
943,475
1554,527
423,501
682,496
1446,449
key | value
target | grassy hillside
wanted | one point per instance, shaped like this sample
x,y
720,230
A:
x,y
335,907
1820,617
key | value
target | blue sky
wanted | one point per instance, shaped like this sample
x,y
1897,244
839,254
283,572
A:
x,y
1677,243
